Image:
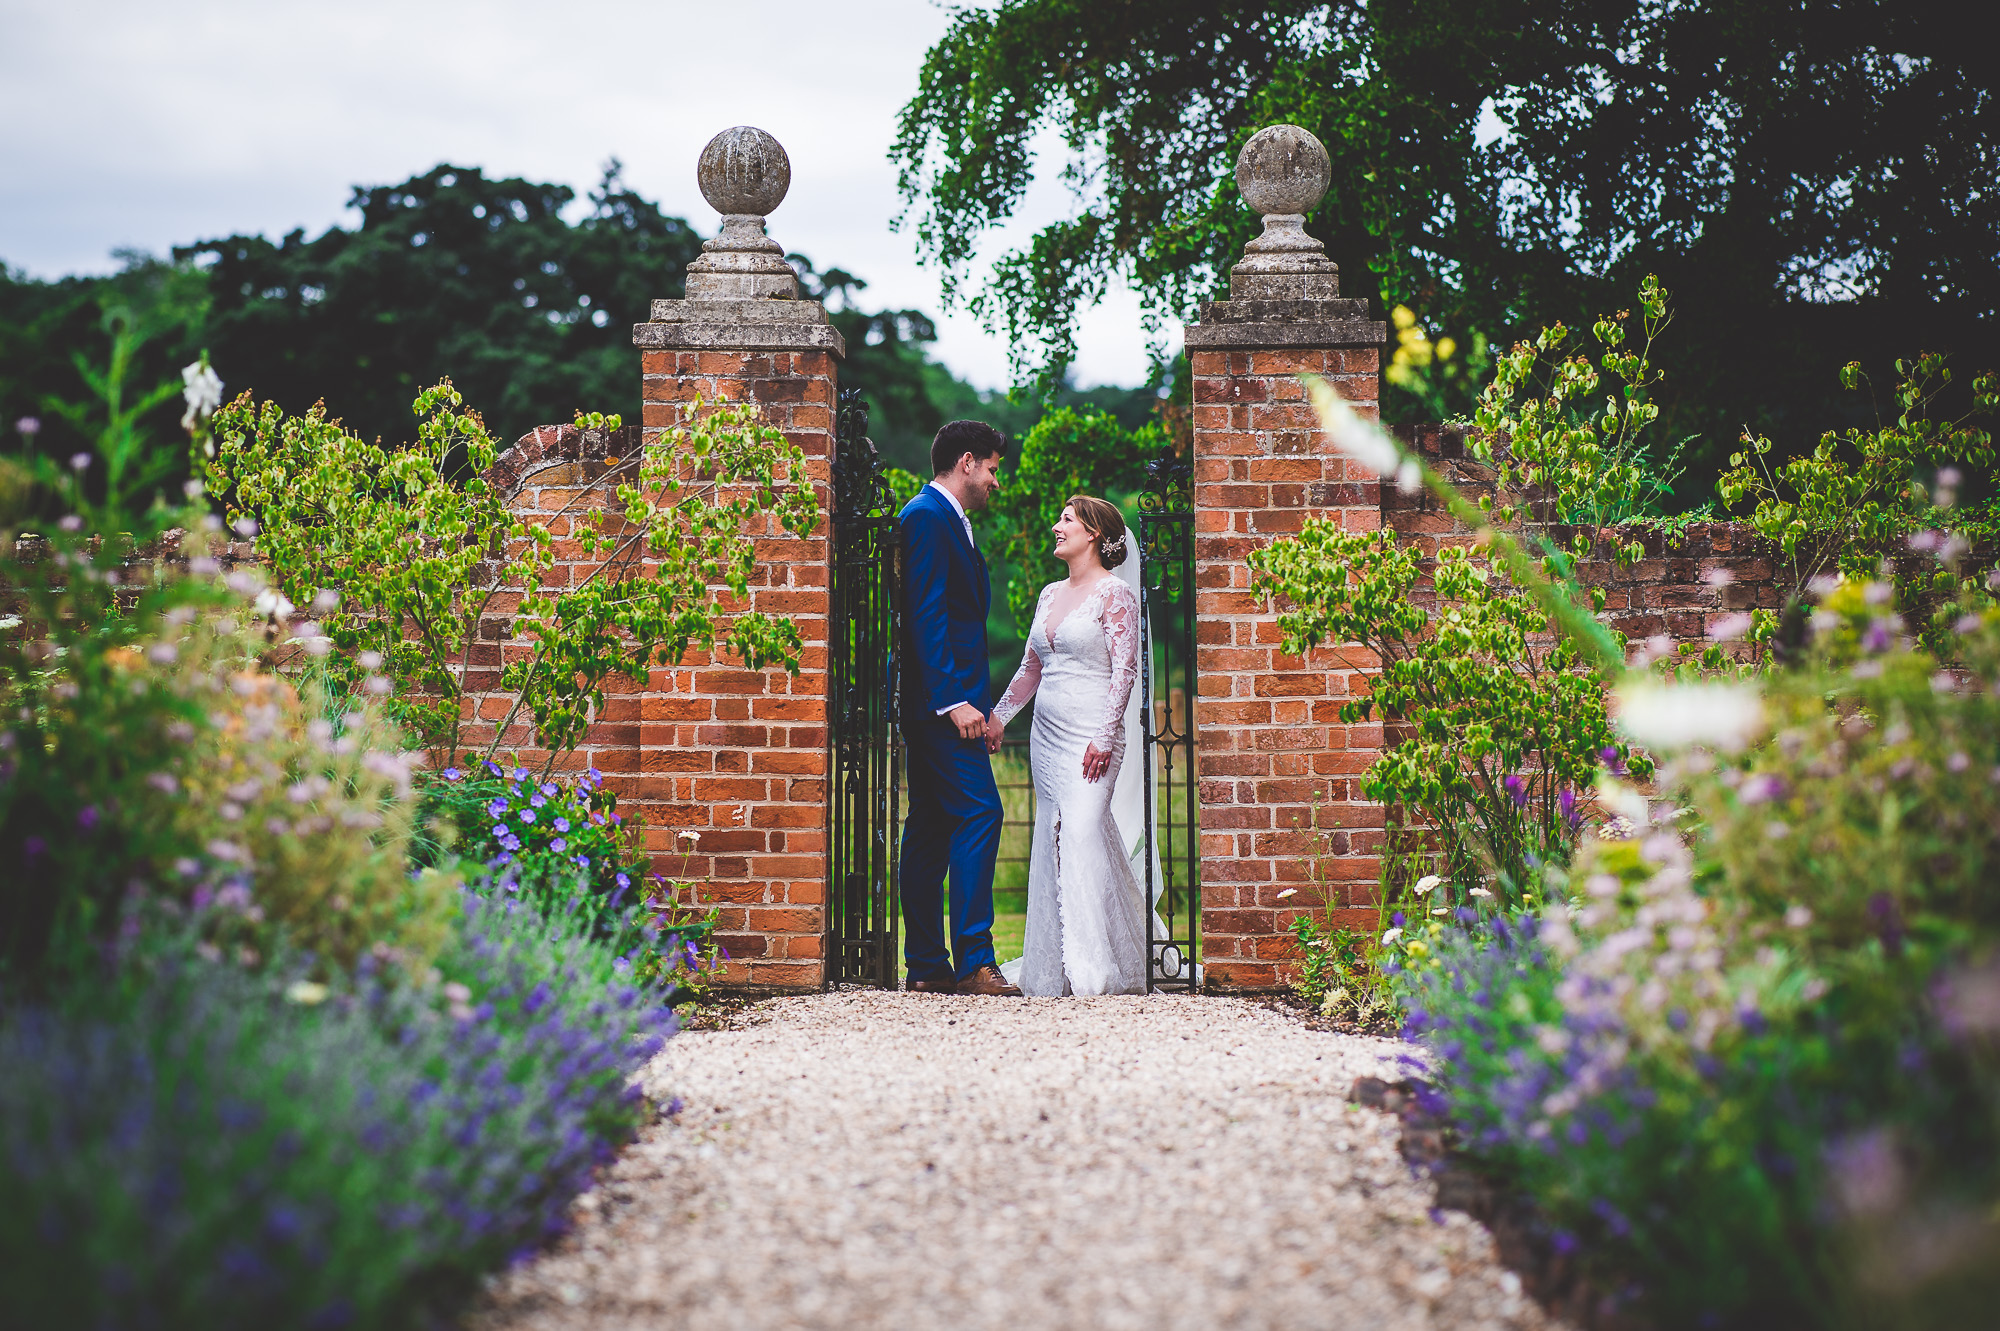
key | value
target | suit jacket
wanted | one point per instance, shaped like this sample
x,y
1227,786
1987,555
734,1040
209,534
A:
x,y
946,590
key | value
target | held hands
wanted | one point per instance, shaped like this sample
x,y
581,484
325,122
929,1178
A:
x,y
1096,762
971,724
994,733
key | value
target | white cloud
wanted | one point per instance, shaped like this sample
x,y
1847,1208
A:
x,y
134,124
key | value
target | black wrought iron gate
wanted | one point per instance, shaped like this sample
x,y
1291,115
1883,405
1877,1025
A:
x,y
1166,594
864,635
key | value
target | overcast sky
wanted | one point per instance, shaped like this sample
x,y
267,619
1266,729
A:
x,y
147,124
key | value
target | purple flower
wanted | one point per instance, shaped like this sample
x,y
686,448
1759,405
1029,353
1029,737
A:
x,y
33,847
623,882
527,815
562,824
497,808
502,831
518,774
453,774
1517,790
1567,801
86,817
559,845
548,787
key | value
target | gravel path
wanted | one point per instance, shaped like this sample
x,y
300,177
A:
x,y
865,1160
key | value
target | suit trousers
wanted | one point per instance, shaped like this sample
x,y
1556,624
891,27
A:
x,y
953,827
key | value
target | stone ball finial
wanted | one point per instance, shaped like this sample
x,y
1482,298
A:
x,y
1283,169
744,171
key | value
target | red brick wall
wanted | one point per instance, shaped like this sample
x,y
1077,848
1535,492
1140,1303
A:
x,y
1271,743
736,756
1683,586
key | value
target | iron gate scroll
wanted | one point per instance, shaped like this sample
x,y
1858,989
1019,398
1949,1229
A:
x,y
1167,618
864,635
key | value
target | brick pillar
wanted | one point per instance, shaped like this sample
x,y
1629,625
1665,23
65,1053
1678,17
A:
x,y
1271,742
740,756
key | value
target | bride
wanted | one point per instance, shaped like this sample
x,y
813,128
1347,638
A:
x,y
1086,931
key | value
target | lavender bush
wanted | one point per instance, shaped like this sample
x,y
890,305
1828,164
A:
x,y
1749,1071
204,1145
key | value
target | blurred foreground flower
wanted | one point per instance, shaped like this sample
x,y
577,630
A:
x,y
1667,717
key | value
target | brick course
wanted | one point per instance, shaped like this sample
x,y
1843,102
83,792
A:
x,y
1271,743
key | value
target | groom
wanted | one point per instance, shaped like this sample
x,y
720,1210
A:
x,y
955,813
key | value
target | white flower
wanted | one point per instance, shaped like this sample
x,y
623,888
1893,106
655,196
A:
x,y
1665,717
1480,892
203,394
1288,892
1364,441
1440,910
1391,935
306,992
1426,883
1798,917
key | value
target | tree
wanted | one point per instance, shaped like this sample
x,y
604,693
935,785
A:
x,y
449,273
1813,176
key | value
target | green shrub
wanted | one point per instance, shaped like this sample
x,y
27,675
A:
x,y
410,556
1866,496
1493,729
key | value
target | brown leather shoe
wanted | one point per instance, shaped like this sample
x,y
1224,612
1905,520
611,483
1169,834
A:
x,y
987,980
932,987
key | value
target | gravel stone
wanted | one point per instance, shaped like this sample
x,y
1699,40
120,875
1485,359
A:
x,y
866,1159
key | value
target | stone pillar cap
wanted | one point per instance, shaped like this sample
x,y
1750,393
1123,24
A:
x,y
1283,173
744,174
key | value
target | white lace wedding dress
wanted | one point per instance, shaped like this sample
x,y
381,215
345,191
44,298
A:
x,y
1086,929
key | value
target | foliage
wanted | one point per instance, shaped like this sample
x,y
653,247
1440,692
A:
x,y
1577,465
146,751
498,282
408,562
452,273
1868,495
1809,177
52,336
1751,1065
191,1143
1493,732
1068,452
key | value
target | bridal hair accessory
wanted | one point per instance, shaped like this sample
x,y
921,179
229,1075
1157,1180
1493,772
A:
x,y
1113,550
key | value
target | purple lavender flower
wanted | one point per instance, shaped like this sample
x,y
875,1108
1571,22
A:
x,y
1517,790
1567,802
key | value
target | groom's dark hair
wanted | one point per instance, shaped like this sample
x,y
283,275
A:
x,y
958,438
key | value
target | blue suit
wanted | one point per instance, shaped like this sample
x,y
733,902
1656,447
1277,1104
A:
x,y
955,813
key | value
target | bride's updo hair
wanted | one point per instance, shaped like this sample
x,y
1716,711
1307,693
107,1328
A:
x,y
1103,518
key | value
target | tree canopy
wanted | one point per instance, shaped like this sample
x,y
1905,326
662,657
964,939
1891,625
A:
x,y
450,273
1813,177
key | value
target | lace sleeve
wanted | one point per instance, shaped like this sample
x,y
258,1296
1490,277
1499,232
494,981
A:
x,y
1121,637
1029,676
